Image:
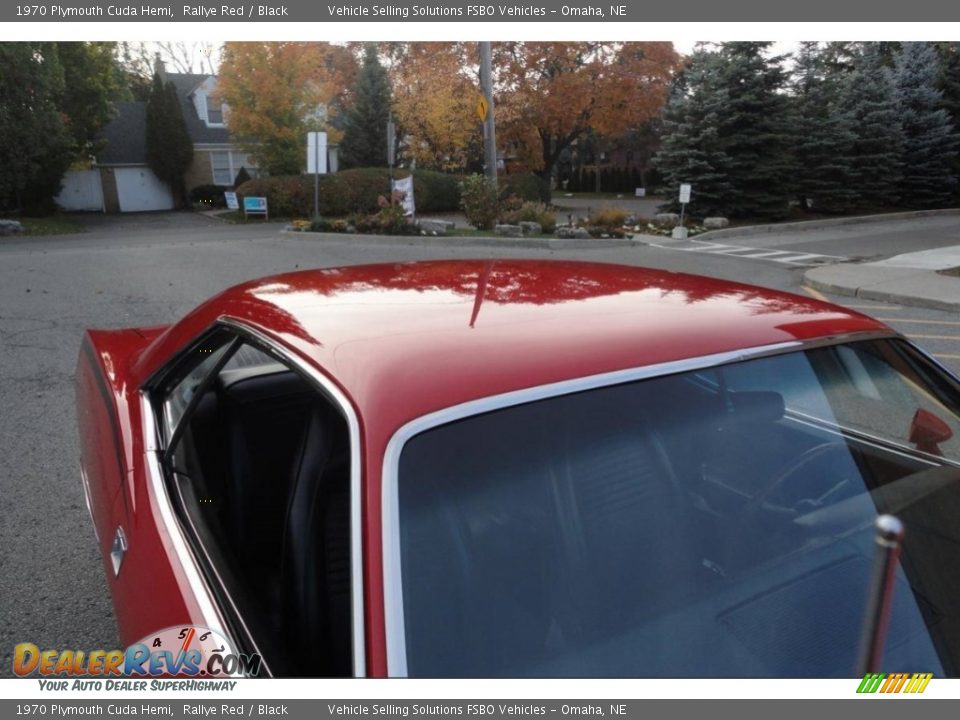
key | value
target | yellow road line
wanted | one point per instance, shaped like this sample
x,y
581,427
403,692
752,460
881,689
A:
x,y
919,322
814,293
934,337
941,356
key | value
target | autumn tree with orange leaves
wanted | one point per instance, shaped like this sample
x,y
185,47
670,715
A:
x,y
551,94
434,96
276,92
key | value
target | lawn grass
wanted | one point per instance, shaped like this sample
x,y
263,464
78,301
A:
x,y
952,272
51,225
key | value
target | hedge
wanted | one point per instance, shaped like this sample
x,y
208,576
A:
x,y
351,192
527,186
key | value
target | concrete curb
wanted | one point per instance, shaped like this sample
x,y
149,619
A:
x,y
460,241
748,230
926,282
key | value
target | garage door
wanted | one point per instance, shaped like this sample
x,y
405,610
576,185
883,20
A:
x,y
81,191
138,189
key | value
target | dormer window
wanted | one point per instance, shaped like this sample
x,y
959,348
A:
x,y
214,111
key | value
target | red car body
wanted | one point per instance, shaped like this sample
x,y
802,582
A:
x,y
400,341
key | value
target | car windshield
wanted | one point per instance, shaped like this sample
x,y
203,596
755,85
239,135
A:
x,y
713,523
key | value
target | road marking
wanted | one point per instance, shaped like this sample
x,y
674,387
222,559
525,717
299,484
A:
x,y
920,322
814,293
935,337
891,308
786,257
941,356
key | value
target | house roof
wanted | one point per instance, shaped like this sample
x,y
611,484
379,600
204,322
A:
x,y
125,134
186,83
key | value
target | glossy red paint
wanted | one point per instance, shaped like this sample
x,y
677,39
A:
x,y
404,340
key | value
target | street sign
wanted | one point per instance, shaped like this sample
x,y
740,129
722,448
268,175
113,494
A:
x,y
231,198
641,192
684,193
316,153
482,107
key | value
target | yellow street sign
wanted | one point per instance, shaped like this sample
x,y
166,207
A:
x,y
482,107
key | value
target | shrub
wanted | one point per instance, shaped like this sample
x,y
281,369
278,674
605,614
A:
x,y
242,177
531,212
527,186
480,201
351,192
608,218
211,195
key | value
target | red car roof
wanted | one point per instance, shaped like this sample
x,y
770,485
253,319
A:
x,y
410,338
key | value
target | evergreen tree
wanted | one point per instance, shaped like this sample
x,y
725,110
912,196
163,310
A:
x,y
365,124
754,126
929,138
690,150
824,135
35,150
949,84
868,95
92,80
169,148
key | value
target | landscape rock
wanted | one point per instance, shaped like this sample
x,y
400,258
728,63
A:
x,y
566,232
666,219
436,227
529,227
10,227
508,230
715,223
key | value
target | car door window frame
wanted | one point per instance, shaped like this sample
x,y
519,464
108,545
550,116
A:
x,y
237,334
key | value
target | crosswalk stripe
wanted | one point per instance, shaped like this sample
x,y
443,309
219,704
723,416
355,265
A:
x,y
788,257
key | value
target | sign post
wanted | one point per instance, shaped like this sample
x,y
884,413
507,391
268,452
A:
x,y
391,148
316,164
680,232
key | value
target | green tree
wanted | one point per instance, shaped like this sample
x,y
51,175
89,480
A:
x,y
691,146
728,133
93,79
868,94
929,138
824,134
365,122
35,150
169,148
949,84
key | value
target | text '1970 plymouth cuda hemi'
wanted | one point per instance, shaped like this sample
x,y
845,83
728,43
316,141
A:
x,y
521,468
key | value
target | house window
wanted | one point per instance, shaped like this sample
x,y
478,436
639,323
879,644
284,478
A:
x,y
225,165
223,173
214,111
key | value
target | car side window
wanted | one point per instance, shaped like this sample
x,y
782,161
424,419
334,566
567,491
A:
x,y
259,466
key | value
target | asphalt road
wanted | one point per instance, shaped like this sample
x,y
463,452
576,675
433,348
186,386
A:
x,y
151,269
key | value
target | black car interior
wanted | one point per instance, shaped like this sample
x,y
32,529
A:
x,y
263,472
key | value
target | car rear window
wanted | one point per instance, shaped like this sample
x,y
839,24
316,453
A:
x,y
709,523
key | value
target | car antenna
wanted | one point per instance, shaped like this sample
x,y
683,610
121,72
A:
x,y
888,539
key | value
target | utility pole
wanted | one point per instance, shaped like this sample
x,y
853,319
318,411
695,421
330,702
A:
x,y
489,125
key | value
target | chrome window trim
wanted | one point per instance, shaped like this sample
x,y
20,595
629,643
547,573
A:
x,y
356,496
161,503
390,511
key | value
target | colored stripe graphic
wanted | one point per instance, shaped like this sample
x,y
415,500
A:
x,y
894,683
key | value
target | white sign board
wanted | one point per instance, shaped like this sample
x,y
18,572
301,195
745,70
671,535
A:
x,y
406,187
231,198
317,153
641,192
684,193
